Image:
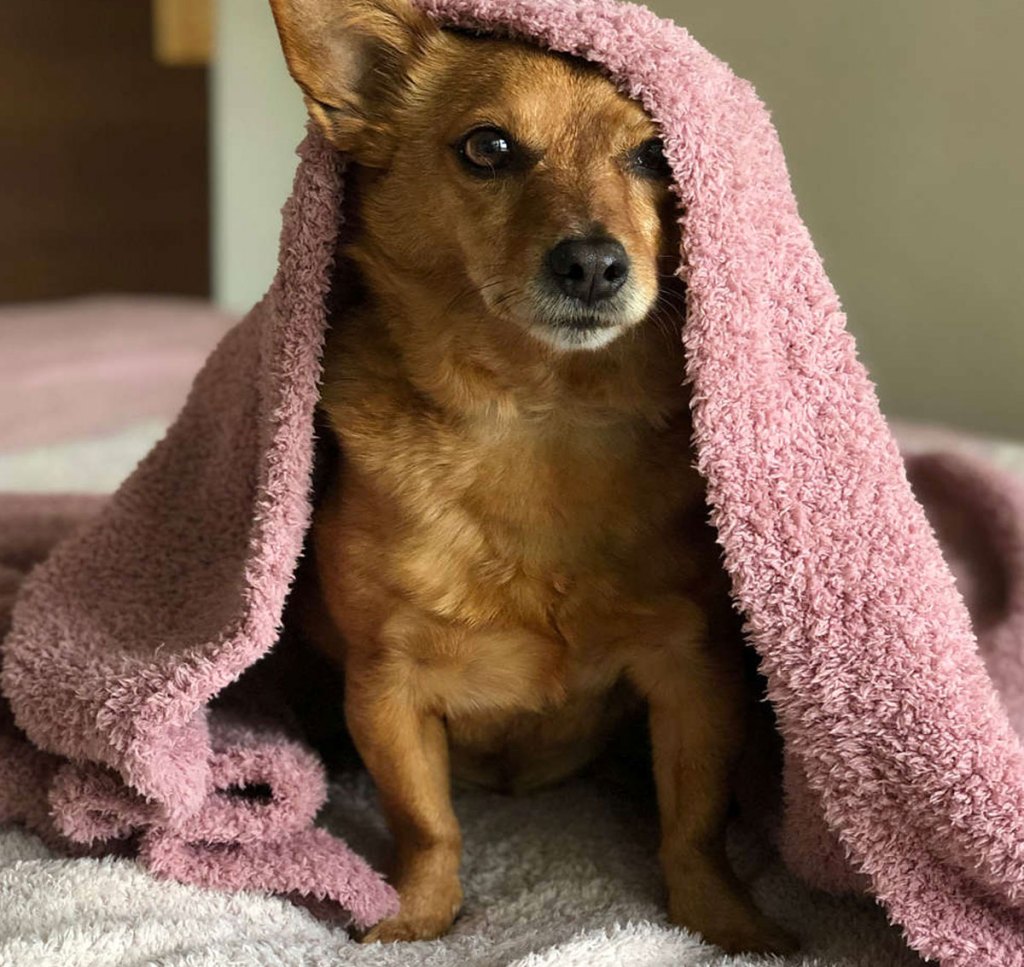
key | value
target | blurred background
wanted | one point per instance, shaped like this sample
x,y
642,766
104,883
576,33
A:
x,y
146,149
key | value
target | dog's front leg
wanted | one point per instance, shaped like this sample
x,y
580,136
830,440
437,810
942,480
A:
x,y
406,752
697,724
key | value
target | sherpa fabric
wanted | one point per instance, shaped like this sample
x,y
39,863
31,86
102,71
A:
x,y
566,877
904,773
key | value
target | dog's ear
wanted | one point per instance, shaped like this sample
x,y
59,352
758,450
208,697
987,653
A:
x,y
351,58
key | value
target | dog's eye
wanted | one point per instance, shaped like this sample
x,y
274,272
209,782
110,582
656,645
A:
x,y
487,149
649,159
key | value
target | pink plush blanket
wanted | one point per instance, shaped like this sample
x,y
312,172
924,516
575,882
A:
x,y
904,772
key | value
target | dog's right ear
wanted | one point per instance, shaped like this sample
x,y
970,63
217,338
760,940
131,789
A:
x,y
351,58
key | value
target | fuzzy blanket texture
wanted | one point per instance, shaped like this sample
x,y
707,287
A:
x,y
567,877
131,726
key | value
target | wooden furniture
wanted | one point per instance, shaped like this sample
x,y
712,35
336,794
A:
x,y
103,155
183,32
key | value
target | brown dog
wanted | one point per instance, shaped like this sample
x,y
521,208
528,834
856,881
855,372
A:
x,y
514,548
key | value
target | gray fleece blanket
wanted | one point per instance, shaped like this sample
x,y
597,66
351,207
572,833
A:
x,y
567,877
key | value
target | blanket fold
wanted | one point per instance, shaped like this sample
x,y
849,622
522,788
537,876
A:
x,y
904,764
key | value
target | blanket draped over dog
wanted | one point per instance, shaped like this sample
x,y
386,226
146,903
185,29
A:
x,y
904,773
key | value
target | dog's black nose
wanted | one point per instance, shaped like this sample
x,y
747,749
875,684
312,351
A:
x,y
589,269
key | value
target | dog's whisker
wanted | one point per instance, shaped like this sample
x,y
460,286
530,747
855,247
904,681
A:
x,y
469,291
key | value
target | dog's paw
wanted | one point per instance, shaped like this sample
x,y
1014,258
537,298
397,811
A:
x,y
749,932
760,936
721,912
423,916
400,927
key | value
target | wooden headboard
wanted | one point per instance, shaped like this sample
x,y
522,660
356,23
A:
x,y
104,166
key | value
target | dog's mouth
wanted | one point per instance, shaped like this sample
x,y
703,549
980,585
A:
x,y
585,323
578,330
566,324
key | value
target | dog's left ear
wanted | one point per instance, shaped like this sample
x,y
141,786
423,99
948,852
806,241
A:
x,y
351,58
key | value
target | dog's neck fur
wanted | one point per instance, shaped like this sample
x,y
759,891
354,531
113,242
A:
x,y
469,364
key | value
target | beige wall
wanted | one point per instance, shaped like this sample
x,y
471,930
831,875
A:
x,y
257,119
903,126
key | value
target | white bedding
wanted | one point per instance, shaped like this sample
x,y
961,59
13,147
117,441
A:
x,y
564,877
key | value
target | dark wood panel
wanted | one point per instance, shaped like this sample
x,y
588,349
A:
x,y
103,155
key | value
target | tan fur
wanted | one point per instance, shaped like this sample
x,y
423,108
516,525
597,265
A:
x,y
513,552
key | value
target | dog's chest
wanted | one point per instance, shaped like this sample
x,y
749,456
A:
x,y
531,547
522,520
497,558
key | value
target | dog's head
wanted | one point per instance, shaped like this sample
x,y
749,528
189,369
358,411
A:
x,y
496,178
